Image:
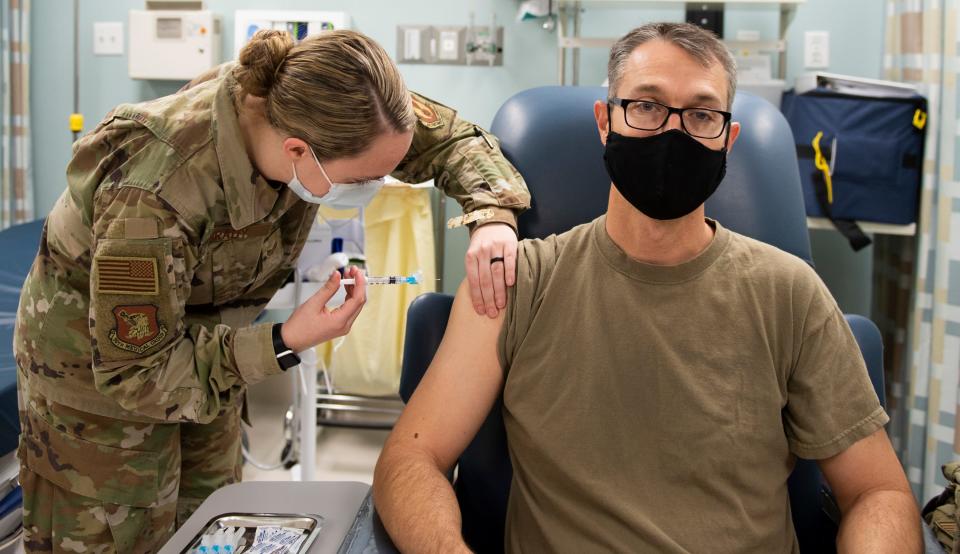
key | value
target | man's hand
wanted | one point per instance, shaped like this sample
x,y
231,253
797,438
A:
x,y
313,323
491,267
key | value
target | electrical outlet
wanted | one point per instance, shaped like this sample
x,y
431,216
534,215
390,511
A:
x,y
816,50
449,45
108,38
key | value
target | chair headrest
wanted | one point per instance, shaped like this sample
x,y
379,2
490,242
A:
x,y
550,135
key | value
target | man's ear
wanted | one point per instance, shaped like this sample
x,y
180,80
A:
x,y
603,122
734,133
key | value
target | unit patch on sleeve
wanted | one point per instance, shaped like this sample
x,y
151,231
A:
x,y
136,276
138,328
427,114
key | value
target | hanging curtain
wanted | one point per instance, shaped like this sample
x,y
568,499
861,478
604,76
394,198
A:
x,y
921,48
893,276
16,187
398,229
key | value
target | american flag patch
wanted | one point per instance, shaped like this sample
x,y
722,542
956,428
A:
x,y
127,275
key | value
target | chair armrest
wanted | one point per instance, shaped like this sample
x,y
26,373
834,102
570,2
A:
x,y
426,323
871,346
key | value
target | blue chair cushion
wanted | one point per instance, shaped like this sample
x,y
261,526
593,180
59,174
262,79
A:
x,y
19,247
550,135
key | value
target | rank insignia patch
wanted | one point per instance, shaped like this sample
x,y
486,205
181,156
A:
x,y
426,113
138,328
127,275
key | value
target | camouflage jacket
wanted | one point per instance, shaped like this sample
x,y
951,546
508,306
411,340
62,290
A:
x,y
168,243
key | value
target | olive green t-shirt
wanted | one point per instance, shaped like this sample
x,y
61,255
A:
x,y
661,408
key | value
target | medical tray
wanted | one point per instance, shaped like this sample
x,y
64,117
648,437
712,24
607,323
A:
x,y
311,523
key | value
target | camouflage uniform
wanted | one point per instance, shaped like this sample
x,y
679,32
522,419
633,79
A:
x,y
135,338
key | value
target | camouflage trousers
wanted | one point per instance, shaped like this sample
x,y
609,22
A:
x,y
93,484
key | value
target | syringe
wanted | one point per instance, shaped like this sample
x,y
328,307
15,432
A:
x,y
388,280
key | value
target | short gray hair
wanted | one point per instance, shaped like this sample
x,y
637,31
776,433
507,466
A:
x,y
703,45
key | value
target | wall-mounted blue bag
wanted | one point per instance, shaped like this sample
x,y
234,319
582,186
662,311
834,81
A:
x,y
860,156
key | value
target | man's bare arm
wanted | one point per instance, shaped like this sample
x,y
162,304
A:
x,y
879,511
411,491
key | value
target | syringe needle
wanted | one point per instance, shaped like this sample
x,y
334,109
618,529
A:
x,y
352,281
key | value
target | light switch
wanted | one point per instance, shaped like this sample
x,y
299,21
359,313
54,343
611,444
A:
x,y
816,49
411,44
108,38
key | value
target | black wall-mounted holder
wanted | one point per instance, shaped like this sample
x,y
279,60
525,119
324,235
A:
x,y
708,15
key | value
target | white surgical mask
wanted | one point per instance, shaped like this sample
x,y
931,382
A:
x,y
341,196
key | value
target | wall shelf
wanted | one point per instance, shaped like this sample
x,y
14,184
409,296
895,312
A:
x,y
867,227
676,2
568,19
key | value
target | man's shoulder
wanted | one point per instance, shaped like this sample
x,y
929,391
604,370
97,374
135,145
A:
x,y
548,250
759,264
756,255
538,258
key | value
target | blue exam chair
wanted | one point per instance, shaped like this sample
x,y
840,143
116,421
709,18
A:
x,y
550,135
19,247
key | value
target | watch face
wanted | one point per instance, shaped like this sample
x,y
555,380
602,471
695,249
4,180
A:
x,y
288,360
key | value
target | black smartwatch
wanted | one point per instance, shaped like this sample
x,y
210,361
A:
x,y
286,357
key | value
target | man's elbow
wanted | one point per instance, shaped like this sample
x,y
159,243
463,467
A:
x,y
893,502
395,466
887,519
383,473
888,497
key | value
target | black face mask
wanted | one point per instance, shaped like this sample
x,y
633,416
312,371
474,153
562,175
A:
x,y
665,176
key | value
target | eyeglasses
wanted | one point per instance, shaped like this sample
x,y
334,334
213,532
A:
x,y
646,115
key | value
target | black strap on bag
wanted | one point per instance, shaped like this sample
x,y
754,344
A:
x,y
821,173
909,161
848,228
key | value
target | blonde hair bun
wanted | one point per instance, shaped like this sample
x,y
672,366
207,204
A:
x,y
337,90
260,60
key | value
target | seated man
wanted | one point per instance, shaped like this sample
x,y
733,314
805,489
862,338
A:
x,y
659,372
